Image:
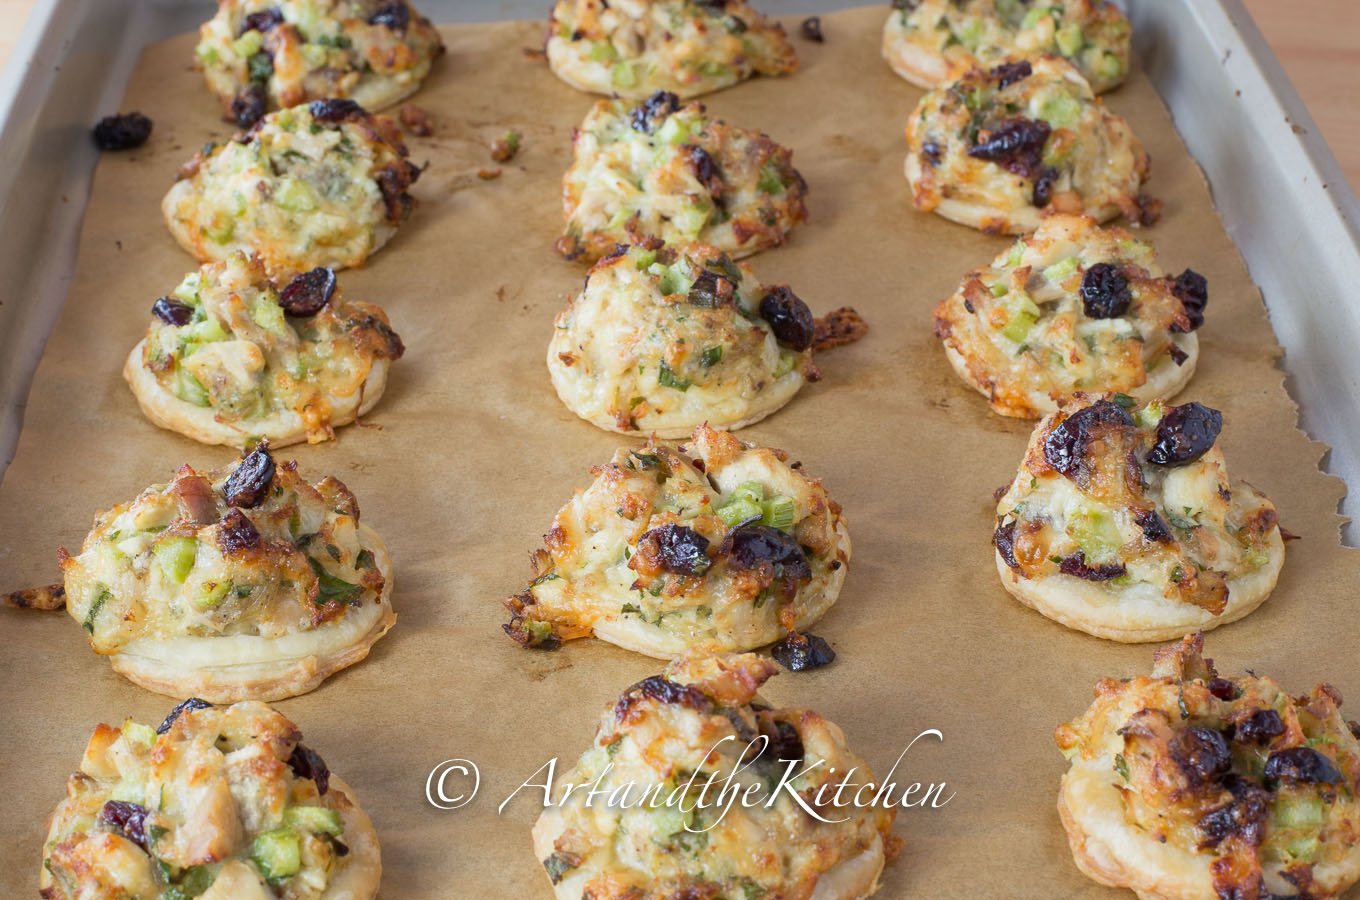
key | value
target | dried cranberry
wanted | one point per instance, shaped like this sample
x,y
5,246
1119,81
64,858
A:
x,y
393,180
711,290
395,16
238,532
753,547
1192,289
248,107
1154,526
782,742
933,152
653,111
129,819
1185,434
1261,727
1201,754
662,690
1066,444
905,5
261,21
189,705
1243,816
307,293
704,168
171,311
1301,765
122,132
307,763
1009,73
797,652
335,109
1043,187
1003,539
789,318
1075,565
1354,726
677,549
1222,688
1016,145
248,483
812,29
1178,356
1104,292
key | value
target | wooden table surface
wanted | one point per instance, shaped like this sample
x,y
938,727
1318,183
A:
x,y
1318,41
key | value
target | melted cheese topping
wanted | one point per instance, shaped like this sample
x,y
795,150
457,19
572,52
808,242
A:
x,y
1091,161
647,346
216,798
1146,799
1216,530
631,48
166,566
934,42
242,357
680,176
627,849
298,191
317,49
1019,331
591,578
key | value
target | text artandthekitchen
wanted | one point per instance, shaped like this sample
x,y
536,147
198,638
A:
x,y
454,783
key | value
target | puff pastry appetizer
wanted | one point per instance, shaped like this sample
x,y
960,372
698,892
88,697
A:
x,y
663,728
318,185
715,547
234,355
661,170
259,55
216,803
244,583
1188,785
997,149
1073,307
632,48
664,339
1122,522
933,42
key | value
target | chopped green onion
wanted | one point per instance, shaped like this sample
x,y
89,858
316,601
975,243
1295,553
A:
x,y
666,377
712,356
770,180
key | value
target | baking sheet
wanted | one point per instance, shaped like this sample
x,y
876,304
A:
x,y
470,454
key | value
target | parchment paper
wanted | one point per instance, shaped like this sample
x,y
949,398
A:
x,y
467,458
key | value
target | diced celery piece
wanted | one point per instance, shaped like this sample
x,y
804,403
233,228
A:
x,y
1096,534
188,388
970,34
295,195
1061,110
1000,289
212,593
623,75
221,230
248,44
692,219
645,258
1110,66
176,556
736,511
1150,415
1061,271
675,279
781,513
267,313
1303,849
315,55
1069,38
1034,17
277,854
207,331
1016,254
770,181
602,51
1019,326
316,819
673,131
207,54
137,733
1298,811
787,360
